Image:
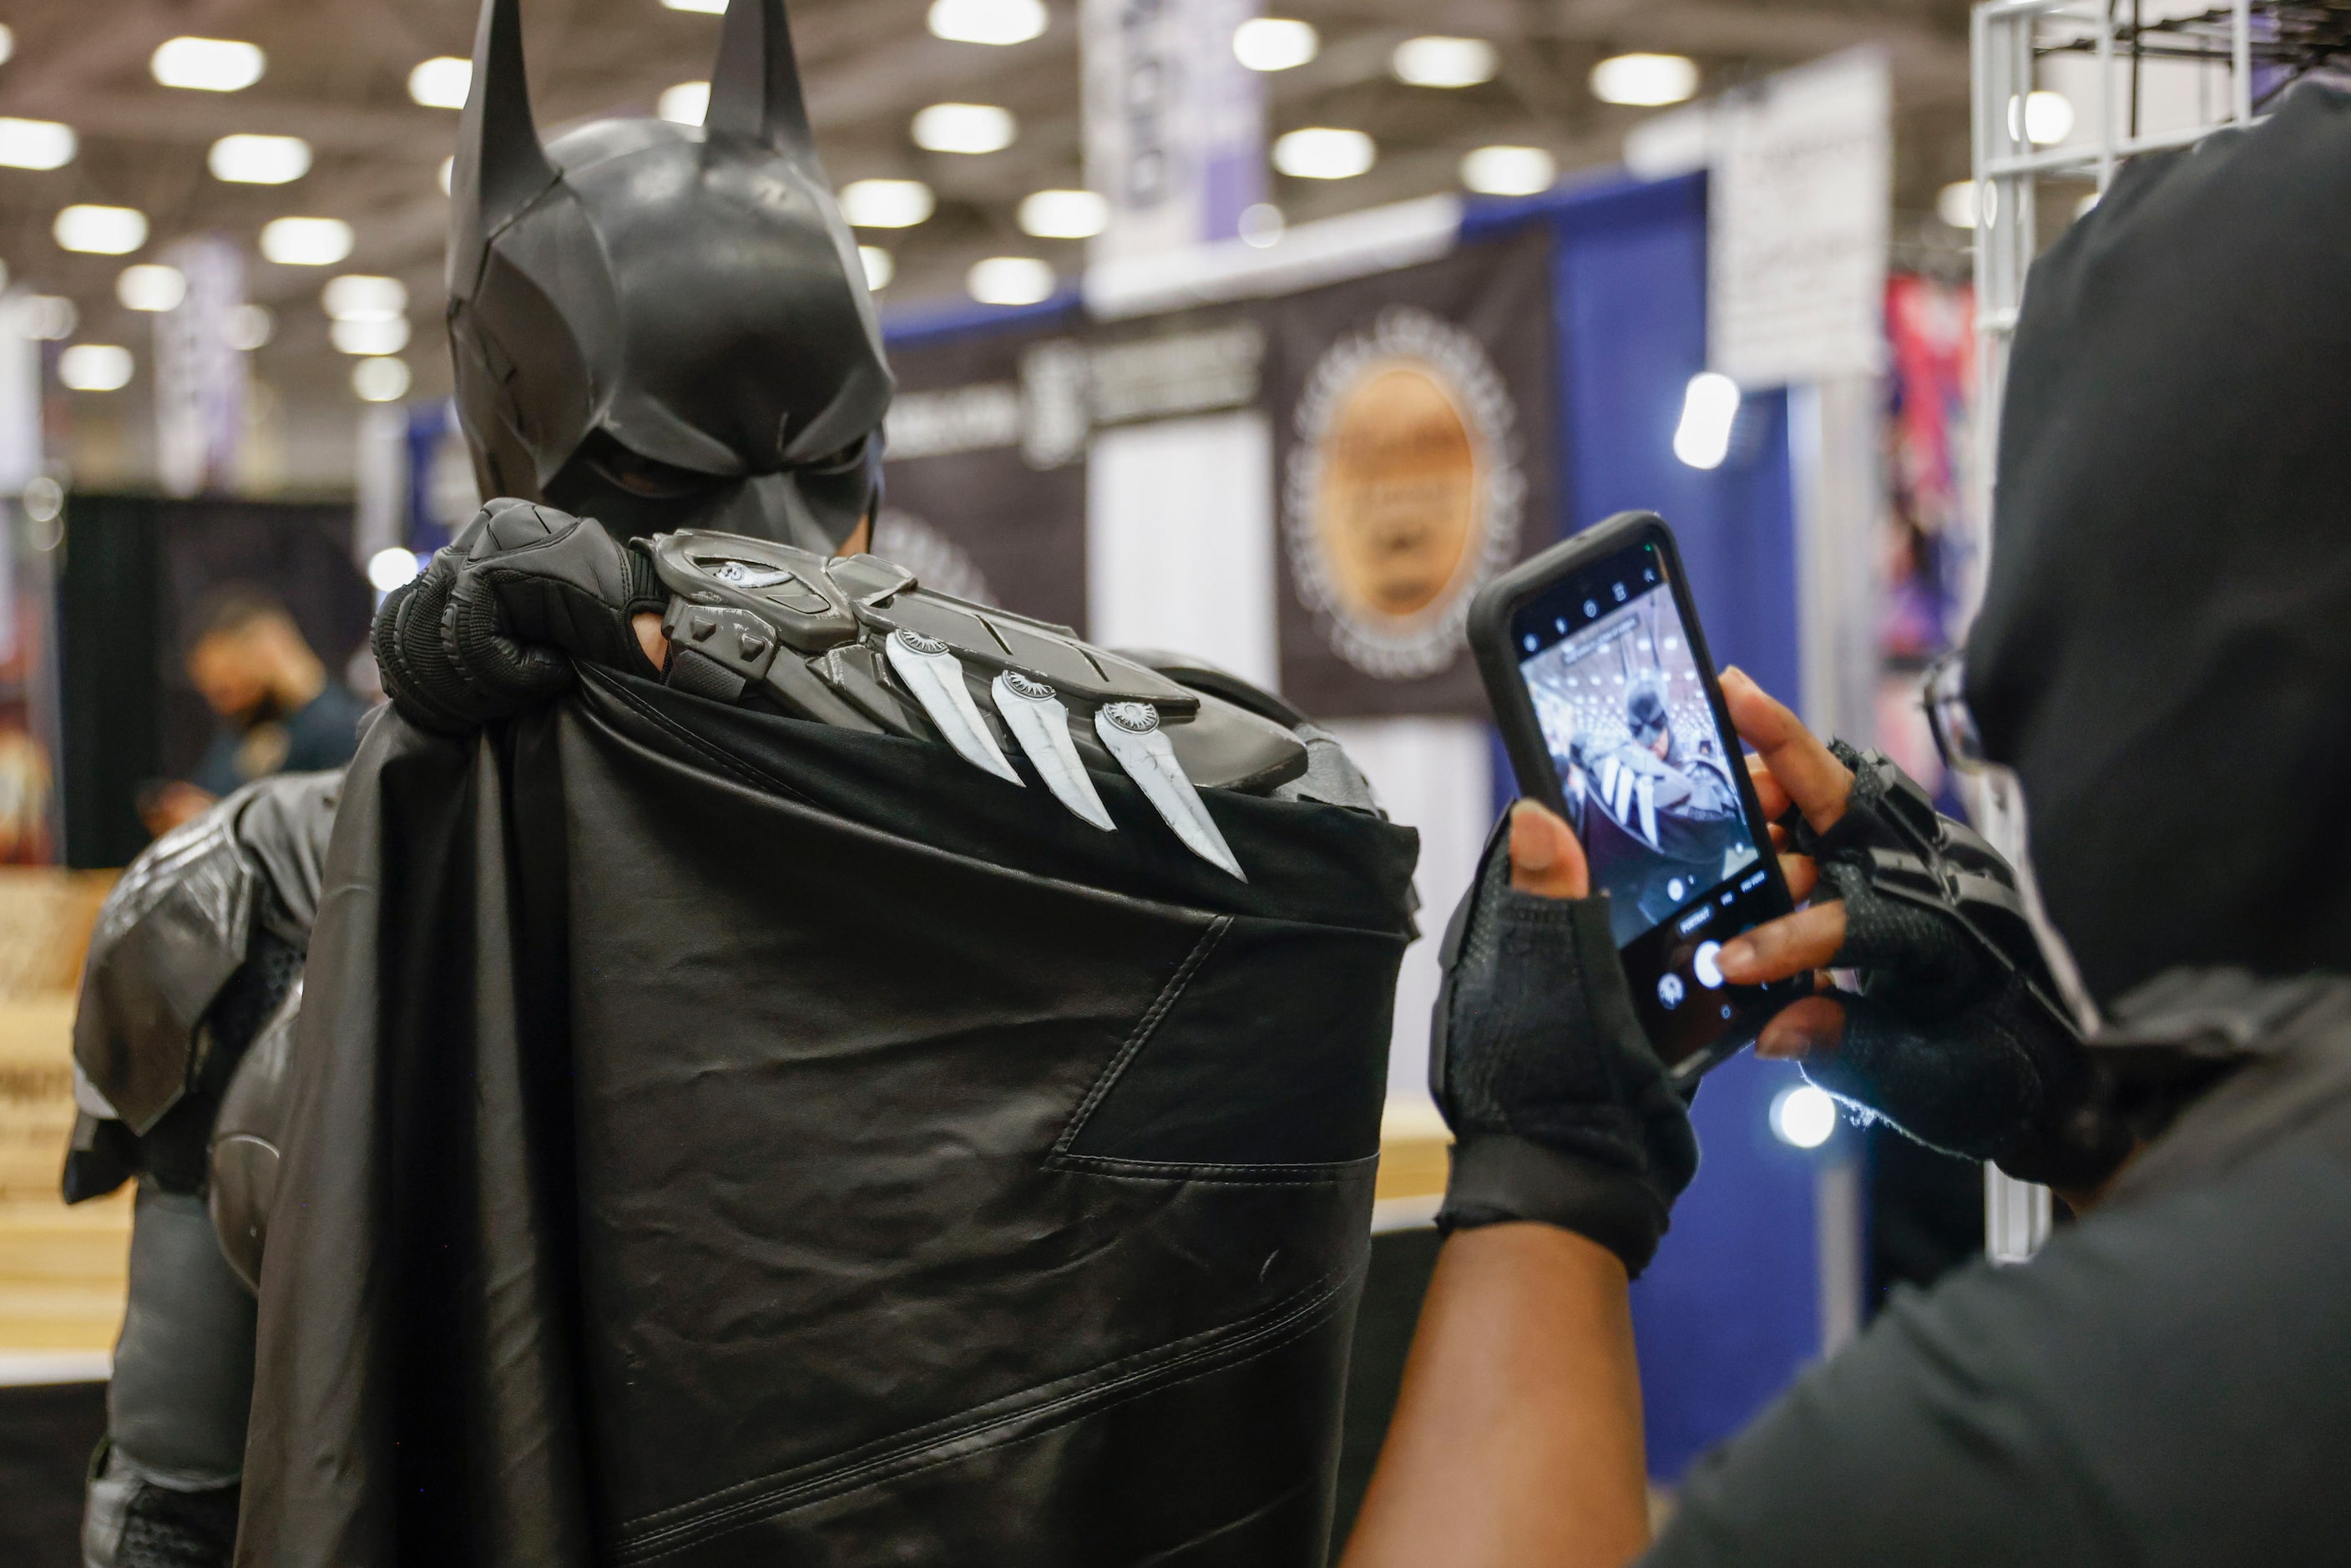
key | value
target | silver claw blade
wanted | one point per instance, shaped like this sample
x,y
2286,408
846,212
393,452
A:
x,y
935,678
1041,724
1131,731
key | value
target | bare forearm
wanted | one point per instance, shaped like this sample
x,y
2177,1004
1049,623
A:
x,y
1517,1439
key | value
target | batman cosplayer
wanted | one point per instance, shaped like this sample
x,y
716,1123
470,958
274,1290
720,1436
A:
x,y
1659,817
852,1076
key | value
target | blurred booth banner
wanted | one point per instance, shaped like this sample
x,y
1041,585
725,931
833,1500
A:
x,y
201,378
984,478
441,495
20,394
31,527
1413,419
1797,218
1174,124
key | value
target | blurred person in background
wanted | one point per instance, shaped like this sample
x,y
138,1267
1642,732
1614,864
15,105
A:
x,y
280,710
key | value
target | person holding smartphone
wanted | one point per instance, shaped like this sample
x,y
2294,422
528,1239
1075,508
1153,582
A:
x,y
2162,661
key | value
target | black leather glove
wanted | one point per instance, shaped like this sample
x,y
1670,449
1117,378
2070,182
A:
x,y
1561,1112
1956,1035
491,626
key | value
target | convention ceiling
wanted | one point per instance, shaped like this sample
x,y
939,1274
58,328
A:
x,y
336,75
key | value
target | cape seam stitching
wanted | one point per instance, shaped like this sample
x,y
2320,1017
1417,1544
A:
x,y
1147,1026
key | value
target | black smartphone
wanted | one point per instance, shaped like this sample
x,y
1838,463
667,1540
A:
x,y
1598,672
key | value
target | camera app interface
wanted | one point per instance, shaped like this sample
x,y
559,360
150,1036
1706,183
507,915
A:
x,y
1646,775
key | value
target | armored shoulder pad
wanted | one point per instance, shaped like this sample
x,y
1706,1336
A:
x,y
860,642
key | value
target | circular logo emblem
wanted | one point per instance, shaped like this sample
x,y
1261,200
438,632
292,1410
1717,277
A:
x,y
1135,718
916,642
1404,492
1022,686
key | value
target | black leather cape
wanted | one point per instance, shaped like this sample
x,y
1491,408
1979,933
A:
x,y
719,1139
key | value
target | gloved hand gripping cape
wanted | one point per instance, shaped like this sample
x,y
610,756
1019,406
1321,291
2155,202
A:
x,y
724,1138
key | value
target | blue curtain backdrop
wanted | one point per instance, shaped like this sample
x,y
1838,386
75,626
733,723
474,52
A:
x,y
1730,1309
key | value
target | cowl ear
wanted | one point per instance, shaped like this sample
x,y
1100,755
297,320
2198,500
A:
x,y
500,167
755,87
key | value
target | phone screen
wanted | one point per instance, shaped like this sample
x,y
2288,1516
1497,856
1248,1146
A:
x,y
1648,777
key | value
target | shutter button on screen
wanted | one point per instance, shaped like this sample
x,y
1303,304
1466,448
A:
x,y
1702,964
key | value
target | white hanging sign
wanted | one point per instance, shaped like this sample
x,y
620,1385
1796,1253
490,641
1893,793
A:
x,y
1798,207
1174,125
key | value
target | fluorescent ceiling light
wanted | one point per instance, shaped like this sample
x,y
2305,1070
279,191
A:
x,y
392,567
383,381
49,318
208,65
687,103
965,128
1275,42
1322,153
95,367
373,335
306,242
1445,62
441,83
707,7
1645,80
1064,215
248,327
7,43
1709,405
886,204
1010,280
102,231
2043,118
150,286
360,297
37,144
1954,203
881,267
986,21
1509,171
259,159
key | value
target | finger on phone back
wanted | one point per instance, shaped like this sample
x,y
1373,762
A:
x,y
1802,874
1788,946
1812,775
1768,791
1800,1029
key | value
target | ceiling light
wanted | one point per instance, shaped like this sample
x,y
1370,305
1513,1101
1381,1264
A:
x,y
7,43
1646,80
49,318
441,83
1260,226
1445,62
1010,280
1954,203
208,65
102,231
36,144
687,103
370,335
707,7
150,286
306,242
358,297
1064,215
259,159
965,128
881,267
248,327
1804,1116
95,367
886,204
448,172
383,381
1321,152
1509,171
986,21
1709,407
1275,42
2043,118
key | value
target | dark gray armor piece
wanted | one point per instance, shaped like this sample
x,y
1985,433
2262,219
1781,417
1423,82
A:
x,y
247,1136
657,324
859,642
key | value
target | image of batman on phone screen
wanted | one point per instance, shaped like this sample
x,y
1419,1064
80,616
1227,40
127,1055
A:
x,y
1645,773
